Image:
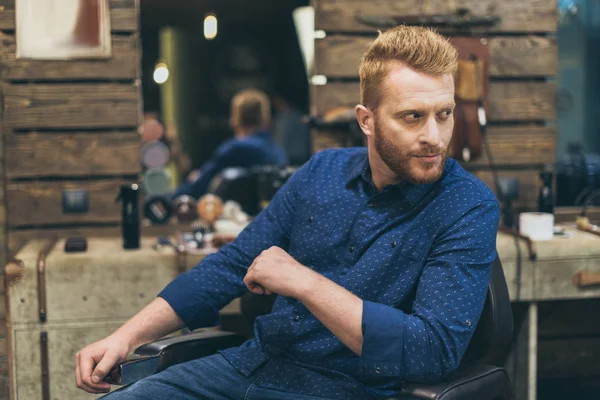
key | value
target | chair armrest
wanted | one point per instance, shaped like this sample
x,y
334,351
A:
x,y
161,354
475,382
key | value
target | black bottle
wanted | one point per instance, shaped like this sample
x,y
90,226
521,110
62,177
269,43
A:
x,y
130,216
546,197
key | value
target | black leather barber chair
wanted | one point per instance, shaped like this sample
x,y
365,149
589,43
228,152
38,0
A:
x,y
480,375
251,187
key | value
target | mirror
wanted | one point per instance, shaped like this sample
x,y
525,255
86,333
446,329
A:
x,y
62,29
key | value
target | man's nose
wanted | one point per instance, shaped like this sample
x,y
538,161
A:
x,y
431,133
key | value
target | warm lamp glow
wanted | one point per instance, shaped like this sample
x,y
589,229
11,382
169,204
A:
x,y
210,26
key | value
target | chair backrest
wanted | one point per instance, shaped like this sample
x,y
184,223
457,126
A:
x,y
492,337
251,187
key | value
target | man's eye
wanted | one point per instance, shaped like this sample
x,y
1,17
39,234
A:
x,y
412,117
446,114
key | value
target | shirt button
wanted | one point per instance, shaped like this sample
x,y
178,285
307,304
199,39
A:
x,y
310,219
468,322
377,370
351,249
296,318
393,244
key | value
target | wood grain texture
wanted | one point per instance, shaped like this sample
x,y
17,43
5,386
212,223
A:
x,y
123,63
18,238
72,154
519,145
31,106
509,101
510,145
123,15
516,15
39,203
529,185
338,56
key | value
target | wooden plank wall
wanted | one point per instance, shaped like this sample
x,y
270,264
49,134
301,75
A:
x,y
522,67
66,125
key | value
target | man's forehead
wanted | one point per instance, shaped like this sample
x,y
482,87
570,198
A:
x,y
404,85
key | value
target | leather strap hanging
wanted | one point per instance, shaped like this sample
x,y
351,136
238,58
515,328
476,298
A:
x,y
471,91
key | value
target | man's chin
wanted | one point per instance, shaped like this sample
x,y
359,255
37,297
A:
x,y
422,176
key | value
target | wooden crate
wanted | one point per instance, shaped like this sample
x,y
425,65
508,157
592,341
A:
x,y
124,15
87,296
523,63
68,124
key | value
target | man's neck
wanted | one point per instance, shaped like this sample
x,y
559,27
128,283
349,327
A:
x,y
243,132
381,175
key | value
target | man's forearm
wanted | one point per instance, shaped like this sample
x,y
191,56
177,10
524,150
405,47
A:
x,y
337,308
153,322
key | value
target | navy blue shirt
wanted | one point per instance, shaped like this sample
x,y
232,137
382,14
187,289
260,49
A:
x,y
419,256
259,148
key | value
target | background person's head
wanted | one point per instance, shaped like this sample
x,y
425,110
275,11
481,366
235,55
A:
x,y
407,101
250,111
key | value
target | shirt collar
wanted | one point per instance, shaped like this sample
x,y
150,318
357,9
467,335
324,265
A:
x,y
359,167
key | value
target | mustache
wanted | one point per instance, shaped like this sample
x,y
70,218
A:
x,y
431,152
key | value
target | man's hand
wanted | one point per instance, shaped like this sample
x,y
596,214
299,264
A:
x,y
275,271
94,362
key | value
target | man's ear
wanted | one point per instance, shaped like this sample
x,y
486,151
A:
x,y
365,118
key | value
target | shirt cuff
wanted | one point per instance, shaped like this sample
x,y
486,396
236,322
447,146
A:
x,y
196,313
383,340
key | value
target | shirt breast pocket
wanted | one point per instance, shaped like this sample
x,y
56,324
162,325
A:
x,y
409,248
314,237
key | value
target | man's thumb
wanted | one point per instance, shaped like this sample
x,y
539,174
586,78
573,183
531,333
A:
x,y
103,367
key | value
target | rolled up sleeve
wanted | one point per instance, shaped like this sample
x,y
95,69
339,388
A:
x,y
198,295
429,342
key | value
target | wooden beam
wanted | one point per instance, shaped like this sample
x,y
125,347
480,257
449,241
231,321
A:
x,y
123,15
123,63
529,185
72,154
509,101
520,145
105,105
40,203
515,15
338,56
509,145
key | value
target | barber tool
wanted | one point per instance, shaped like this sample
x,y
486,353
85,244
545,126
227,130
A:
x,y
472,87
157,182
151,130
582,222
184,207
130,218
154,154
210,208
158,209
545,196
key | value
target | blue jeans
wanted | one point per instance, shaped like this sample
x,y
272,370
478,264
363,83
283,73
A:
x,y
211,378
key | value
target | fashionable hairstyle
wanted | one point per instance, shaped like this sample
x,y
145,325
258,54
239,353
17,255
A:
x,y
250,108
419,48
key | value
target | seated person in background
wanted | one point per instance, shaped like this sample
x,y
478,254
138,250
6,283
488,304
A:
x,y
380,257
252,145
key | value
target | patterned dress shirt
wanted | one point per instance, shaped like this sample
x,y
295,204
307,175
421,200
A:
x,y
419,256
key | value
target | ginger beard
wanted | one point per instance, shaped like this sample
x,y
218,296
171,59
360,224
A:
x,y
406,164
